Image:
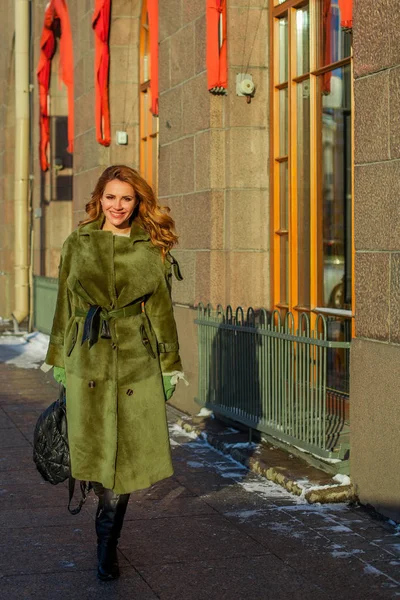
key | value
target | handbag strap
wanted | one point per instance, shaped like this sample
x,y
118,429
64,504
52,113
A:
x,y
85,486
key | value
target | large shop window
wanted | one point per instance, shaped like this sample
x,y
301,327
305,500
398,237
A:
x,y
312,162
149,92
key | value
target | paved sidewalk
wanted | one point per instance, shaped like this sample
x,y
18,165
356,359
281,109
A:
x,y
214,531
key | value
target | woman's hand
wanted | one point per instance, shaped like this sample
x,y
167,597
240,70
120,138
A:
x,y
169,388
59,375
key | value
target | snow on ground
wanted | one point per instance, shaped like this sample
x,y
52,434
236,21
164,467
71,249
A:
x,y
273,490
342,479
27,351
229,468
336,523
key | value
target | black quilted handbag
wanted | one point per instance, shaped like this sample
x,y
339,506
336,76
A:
x,y
51,451
50,442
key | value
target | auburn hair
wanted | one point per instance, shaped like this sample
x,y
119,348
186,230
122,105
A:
x,y
152,217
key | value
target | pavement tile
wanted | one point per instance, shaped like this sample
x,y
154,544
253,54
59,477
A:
x,y
5,421
279,533
20,496
169,506
28,433
22,416
390,568
204,482
390,543
184,466
173,504
81,585
263,517
374,533
235,497
12,438
342,576
253,578
164,488
48,549
16,459
364,549
49,516
27,475
186,538
315,517
16,398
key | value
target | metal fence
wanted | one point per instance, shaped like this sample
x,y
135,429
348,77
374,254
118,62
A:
x,y
44,302
258,370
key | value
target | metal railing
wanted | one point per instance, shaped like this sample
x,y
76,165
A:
x,y
259,371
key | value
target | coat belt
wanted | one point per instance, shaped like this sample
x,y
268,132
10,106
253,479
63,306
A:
x,y
97,317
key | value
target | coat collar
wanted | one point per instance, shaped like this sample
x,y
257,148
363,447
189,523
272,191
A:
x,y
137,234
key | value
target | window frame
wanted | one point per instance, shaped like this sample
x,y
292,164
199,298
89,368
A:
x,y
277,11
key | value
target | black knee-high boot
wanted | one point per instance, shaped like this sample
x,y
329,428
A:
x,y
109,520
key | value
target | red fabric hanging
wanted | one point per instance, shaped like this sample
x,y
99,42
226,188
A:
x,y
327,33
152,12
101,26
56,9
47,46
346,13
217,57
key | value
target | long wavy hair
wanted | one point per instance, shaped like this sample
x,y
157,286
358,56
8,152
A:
x,y
152,217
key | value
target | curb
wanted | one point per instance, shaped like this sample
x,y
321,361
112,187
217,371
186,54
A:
x,y
327,494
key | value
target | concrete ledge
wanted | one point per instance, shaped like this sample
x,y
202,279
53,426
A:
x,y
290,472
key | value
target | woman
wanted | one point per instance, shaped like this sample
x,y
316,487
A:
x,y
114,345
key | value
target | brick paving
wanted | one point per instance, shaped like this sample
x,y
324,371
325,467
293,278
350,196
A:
x,y
212,531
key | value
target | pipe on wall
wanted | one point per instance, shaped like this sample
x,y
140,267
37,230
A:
x,y
21,165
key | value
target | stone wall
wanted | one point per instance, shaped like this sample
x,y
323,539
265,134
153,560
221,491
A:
x,y
214,155
214,167
375,355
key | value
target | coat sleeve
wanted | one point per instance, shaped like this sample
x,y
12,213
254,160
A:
x,y
55,352
160,312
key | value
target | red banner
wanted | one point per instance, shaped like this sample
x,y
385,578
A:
x,y
56,9
217,63
101,26
346,13
152,11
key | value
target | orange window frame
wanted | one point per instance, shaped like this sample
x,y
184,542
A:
x,y
281,10
149,140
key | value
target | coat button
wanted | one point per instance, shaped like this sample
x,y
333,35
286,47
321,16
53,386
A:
x,y
129,392
92,384
114,346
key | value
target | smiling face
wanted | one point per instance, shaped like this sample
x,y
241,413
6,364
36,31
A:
x,y
118,202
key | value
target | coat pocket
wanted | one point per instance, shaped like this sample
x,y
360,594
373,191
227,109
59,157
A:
x,y
146,341
73,340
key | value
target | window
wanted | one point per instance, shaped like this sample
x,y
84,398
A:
x,y
148,122
311,161
312,158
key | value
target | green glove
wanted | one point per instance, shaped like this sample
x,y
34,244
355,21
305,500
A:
x,y
168,387
59,375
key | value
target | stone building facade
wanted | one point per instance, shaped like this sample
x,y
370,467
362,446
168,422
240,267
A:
x,y
215,172
375,352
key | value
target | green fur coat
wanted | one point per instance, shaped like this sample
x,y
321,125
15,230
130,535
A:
x,y
117,427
